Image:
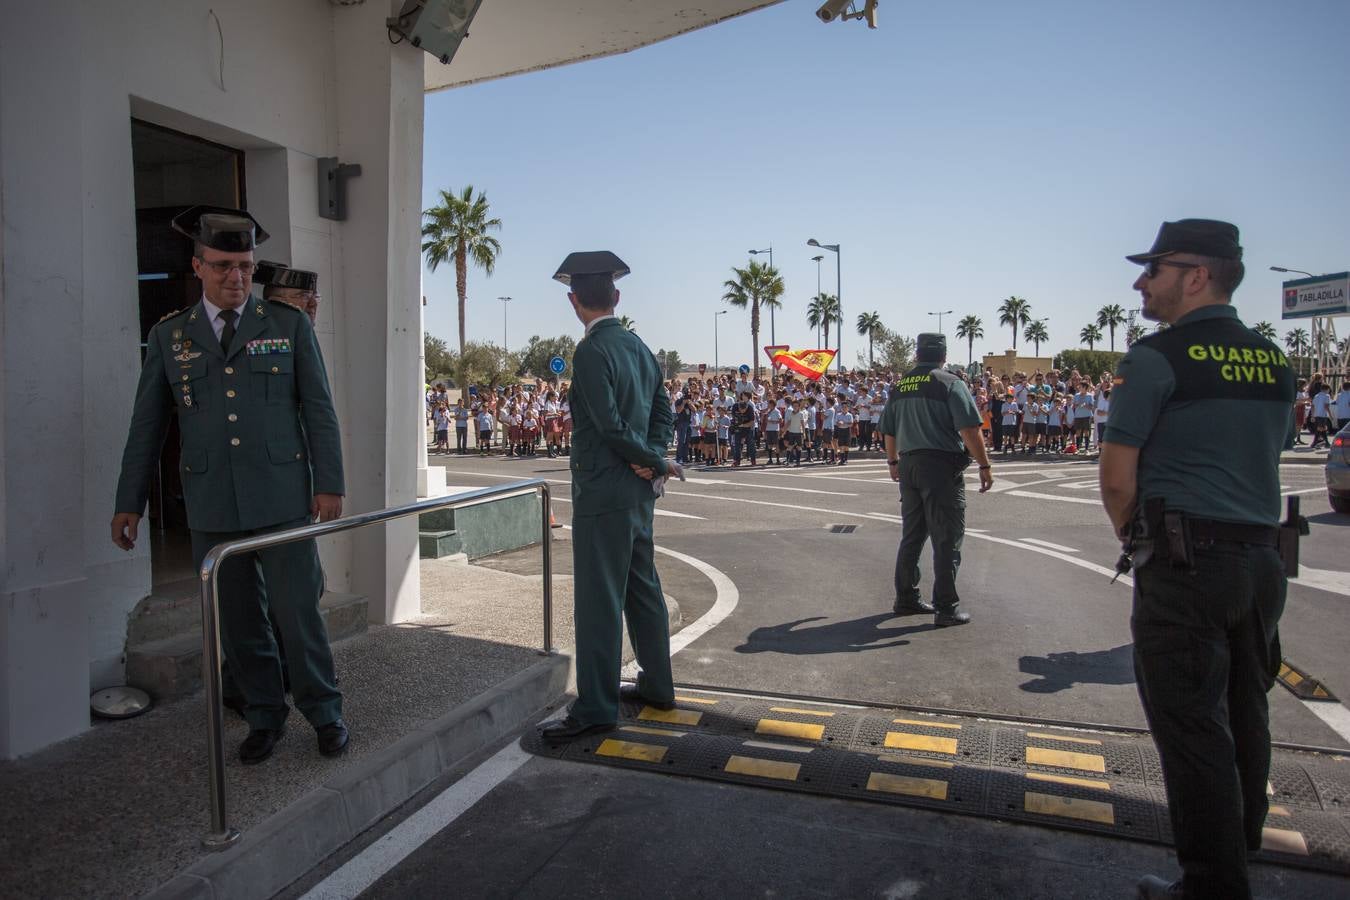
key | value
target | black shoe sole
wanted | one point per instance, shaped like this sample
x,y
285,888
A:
x,y
550,737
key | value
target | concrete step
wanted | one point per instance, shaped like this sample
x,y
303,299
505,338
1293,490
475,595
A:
x,y
171,666
438,544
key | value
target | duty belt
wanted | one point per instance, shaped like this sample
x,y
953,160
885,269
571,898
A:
x,y
1235,532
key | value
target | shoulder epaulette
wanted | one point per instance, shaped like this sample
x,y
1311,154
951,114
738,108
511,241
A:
x,y
176,312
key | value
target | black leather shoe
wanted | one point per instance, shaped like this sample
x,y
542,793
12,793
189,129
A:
x,y
628,693
333,738
913,607
569,729
235,705
1151,887
948,619
259,745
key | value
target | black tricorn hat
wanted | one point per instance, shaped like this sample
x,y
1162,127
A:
x,y
275,274
591,262
930,345
220,228
1203,237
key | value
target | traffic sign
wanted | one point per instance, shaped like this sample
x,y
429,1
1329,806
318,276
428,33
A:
x,y
557,365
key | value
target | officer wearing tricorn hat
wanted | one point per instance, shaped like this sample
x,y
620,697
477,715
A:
x,y
260,452
297,287
931,429
622,426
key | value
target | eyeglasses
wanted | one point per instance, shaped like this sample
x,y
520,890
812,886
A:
x,y
223,268
1151,267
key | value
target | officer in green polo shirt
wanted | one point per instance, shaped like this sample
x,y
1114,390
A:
x,y
931,430
1189,474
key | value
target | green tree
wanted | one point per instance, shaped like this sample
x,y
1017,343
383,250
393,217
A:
x,y
538,352
1111,317
822,310
484,364
1036,333
670,362
1015,311
870,325
1296,342
438,357
628,323
1090,335
1266,330
896,351
1089,363
970,328
752,287
1134,333
457,229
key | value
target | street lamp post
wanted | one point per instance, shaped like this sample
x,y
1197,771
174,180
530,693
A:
x,y
817,259
505,300
1316,362
717,364
945,312
838,292
773,338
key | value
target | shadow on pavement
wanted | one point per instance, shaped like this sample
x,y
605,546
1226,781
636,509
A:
x,y
851,636
1060,671
1330,518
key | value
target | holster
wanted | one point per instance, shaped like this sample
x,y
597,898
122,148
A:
x,y
1291,529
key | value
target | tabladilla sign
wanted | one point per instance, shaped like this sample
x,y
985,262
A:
x,y
1325,295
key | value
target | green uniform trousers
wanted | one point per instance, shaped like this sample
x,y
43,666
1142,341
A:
x,y
614,575
932,504
282,584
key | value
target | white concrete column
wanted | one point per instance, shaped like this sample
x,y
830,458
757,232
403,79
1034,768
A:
x,y
44,616
379,108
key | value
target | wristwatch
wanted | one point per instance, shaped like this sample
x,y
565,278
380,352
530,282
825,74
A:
x,y
986,467
892,462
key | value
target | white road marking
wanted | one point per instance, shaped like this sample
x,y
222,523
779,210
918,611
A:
x,y
1311,490
1009,485
372,863
673,487
1060,547
1323,579
1038,496
1335,715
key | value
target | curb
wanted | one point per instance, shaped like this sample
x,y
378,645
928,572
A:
x,y
285,846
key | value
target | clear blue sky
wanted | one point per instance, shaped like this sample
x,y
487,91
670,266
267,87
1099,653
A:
x,y
965,151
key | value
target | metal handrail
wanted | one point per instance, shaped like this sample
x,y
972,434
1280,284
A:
x,y
221,834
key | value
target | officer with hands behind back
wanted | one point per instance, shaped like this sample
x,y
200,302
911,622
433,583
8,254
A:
x,y
931,430
260,452
622,425
1189,475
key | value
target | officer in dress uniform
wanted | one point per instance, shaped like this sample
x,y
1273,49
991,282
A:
x,y
622,424
1203,526
260,453
931,429
297,287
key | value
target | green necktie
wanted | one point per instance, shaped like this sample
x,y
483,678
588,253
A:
x,y
227,333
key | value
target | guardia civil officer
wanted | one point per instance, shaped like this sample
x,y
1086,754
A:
x,y
622,424
1209,584
260,452
931,430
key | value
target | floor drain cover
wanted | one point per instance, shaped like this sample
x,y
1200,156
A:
x,y
843,529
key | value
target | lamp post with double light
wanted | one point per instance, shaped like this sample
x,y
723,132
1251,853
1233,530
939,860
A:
x,y
940,314
716,362
773,339
817,258
838,293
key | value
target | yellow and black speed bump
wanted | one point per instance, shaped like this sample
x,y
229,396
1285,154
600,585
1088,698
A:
x,y
1101,782
1301,684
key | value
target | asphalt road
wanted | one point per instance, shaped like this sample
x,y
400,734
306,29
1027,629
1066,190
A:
x,y
1050,640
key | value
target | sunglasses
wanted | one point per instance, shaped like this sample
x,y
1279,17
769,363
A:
x,y
1151,267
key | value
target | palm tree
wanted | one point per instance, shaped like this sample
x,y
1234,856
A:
x,y
1109,317
1134,333
820,312
1266,330
628,323
870,325
1296,342
458,229
1090,335
754,286
970,328
1036,333
1015,311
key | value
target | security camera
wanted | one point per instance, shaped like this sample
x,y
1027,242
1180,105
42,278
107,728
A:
x,y
832,9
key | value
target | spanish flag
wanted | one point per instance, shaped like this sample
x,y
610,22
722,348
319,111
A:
x,y
810,363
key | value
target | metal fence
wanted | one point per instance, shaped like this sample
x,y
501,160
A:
x,y
221,834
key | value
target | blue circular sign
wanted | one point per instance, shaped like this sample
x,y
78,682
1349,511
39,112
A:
x,y
557,364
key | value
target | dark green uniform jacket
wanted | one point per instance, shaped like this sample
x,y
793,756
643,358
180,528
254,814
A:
x,y
259,432
927,409
620,415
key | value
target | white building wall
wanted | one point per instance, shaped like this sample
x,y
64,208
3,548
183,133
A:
x,y
72,74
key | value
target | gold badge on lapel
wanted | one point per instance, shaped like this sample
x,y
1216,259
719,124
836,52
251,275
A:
x,y
187,356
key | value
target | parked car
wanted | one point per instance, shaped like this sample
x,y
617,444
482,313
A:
x,y
1338,471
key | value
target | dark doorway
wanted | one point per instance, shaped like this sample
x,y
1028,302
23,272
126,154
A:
x,y
173,171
